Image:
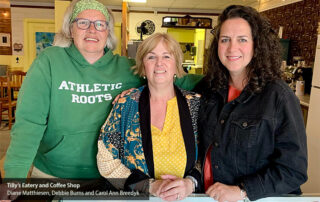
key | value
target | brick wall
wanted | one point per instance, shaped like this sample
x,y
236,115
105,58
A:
x,y
300,23
5,27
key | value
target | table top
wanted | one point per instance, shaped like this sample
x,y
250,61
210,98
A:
x,y
205,198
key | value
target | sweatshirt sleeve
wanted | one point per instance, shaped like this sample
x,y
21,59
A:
x,y
189,81
31,119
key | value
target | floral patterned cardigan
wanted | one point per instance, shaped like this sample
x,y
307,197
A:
x,y
125,155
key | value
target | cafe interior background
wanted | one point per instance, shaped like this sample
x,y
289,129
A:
x,y
28,26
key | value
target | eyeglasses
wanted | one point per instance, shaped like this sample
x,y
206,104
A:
x,y
84,24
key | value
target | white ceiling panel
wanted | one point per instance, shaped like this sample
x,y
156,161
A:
x,y
186,5
153,4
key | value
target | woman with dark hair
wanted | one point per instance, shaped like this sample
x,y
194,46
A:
x,y
251,128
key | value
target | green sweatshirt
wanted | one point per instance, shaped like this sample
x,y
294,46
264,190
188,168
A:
x,y
62,105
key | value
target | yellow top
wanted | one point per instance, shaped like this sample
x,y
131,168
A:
x,y
169,152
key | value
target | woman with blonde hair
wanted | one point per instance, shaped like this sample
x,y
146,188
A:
x,y
151,133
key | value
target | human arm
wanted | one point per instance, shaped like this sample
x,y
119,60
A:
x,y
31,119
122,177
222,192
109,146
286,167
201,86
192,177
122,94
189,81
125,157
176,189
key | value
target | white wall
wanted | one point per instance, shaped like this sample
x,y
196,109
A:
x,y
17,17
117,17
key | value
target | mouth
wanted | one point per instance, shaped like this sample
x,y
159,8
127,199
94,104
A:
x,y
233,58
159,71
91,39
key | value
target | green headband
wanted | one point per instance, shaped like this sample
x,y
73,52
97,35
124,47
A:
x,y
88,5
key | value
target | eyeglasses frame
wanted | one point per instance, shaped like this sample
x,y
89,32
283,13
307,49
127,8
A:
x,y
91,22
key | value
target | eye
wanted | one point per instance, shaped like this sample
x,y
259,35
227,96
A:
x,y
83,22
100,24
150,57
167,56
243,40
224,40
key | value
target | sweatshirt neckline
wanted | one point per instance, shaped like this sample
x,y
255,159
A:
x,y
78,57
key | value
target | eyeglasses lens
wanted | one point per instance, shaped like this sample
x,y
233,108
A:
x,y
85,24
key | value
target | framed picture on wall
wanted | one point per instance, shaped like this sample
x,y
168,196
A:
x,y
43,40
5,39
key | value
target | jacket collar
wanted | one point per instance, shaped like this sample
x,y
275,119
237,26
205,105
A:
x,y
244,97
73,52
185,123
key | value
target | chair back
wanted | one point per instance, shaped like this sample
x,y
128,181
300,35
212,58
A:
x,y
16,77
5,88
8,105
3,80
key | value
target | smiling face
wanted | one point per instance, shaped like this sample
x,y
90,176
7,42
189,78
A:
x,y
235,47
90,42
160,65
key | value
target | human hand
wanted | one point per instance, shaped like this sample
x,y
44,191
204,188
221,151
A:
x,y
169,177
125,92
221,192
176,189
155,187
5,191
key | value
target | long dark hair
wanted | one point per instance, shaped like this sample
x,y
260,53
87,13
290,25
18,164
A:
x,y
266,61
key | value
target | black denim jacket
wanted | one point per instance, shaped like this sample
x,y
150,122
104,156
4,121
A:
x,y
259,140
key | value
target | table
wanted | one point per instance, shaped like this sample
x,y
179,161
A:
x,y
205,198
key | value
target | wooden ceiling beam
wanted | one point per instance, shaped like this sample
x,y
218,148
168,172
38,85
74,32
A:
x,y
124,34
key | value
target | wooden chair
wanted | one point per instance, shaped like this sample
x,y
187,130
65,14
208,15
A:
x,y
16,77
0,114
8,104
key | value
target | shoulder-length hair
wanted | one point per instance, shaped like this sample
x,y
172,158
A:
x,y
150,43
266,61
63,37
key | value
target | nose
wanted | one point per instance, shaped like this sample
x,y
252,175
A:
x,y
159,61
91,27
233,45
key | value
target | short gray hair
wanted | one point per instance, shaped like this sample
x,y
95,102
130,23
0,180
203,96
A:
x,y
63,37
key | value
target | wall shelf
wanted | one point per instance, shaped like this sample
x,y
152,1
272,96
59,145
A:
x,y
187,22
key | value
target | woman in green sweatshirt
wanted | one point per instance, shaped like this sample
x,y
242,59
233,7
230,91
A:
x,y
67,95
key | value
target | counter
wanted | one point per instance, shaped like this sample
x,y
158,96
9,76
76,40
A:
x,y
304,99
304,103
205,198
